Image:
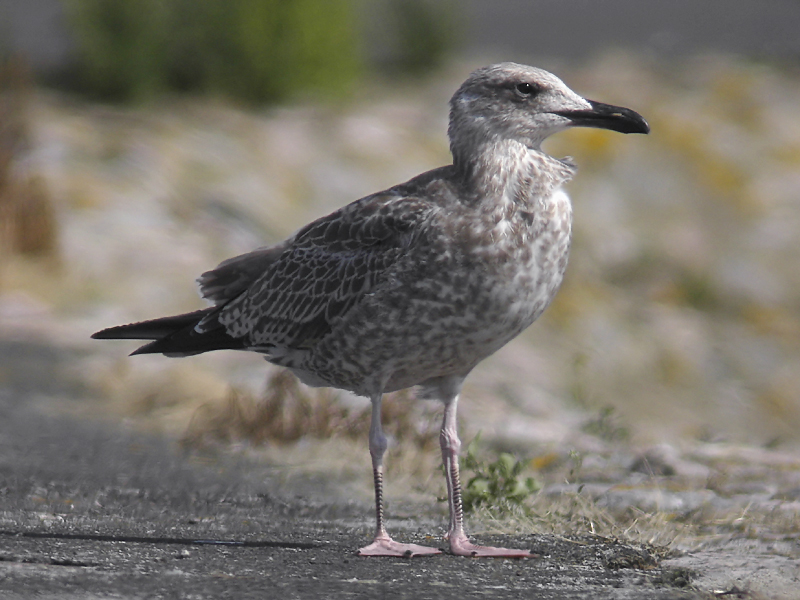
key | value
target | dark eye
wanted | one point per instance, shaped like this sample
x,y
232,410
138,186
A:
x,y
526,89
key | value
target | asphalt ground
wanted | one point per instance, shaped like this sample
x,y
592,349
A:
x,y
93,508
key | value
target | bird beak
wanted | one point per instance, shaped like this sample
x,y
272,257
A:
x,y
607,116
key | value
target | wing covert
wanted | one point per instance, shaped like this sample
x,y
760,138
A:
x,y
320,273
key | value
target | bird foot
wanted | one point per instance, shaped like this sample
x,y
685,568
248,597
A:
x,y
461,546
386,546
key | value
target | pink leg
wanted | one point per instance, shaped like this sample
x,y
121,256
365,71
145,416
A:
x,y
383,545
459,543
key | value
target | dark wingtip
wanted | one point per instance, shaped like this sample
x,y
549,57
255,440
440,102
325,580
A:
x,y
104,334
141,350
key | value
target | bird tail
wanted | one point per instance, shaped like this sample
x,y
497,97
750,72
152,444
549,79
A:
x,y
174,336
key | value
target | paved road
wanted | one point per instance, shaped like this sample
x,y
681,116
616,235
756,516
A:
x,y
91,509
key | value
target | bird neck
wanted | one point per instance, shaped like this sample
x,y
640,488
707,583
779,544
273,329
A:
x,y
509,172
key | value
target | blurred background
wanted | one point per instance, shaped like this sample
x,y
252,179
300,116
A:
x,y
142,142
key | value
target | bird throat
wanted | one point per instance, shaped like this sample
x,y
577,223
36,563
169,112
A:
x,y
508,177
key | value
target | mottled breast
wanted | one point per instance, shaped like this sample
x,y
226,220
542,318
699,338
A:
x,y
525,264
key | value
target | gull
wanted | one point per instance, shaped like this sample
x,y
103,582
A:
x,y
417,284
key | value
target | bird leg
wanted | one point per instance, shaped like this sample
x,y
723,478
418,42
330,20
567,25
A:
x,y
383,545
459,543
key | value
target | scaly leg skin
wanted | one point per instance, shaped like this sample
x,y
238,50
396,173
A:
x,y
459,543
383,545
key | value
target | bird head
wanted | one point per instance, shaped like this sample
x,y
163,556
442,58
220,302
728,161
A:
x,y
508,101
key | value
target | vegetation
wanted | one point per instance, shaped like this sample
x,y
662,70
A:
x,y
497,485
289,411
606,426
426,32
254,50
28,226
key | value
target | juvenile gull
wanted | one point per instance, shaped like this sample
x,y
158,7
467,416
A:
x,y
414,285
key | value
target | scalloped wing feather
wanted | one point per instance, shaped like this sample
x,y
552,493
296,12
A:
x,y
233,276
303,286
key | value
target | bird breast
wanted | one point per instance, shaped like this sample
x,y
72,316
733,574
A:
x,y
525,262
543,255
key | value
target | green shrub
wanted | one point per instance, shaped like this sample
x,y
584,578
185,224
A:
x,y
253,50
122,46
427,32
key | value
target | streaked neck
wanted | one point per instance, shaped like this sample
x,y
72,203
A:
x,y
508,171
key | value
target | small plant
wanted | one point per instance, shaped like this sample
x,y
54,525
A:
x,y
606,426
576,463
497,486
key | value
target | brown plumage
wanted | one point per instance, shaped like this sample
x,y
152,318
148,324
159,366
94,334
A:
x,y
417,284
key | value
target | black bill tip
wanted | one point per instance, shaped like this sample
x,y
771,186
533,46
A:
x,y
608,116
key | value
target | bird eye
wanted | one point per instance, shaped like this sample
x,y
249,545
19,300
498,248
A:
x,y
526,89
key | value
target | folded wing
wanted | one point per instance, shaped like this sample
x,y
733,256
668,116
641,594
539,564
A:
x,y
289,296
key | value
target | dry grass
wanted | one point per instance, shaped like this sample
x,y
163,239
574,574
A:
x,y
573,514
28,226
289,411
28,219
289,417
